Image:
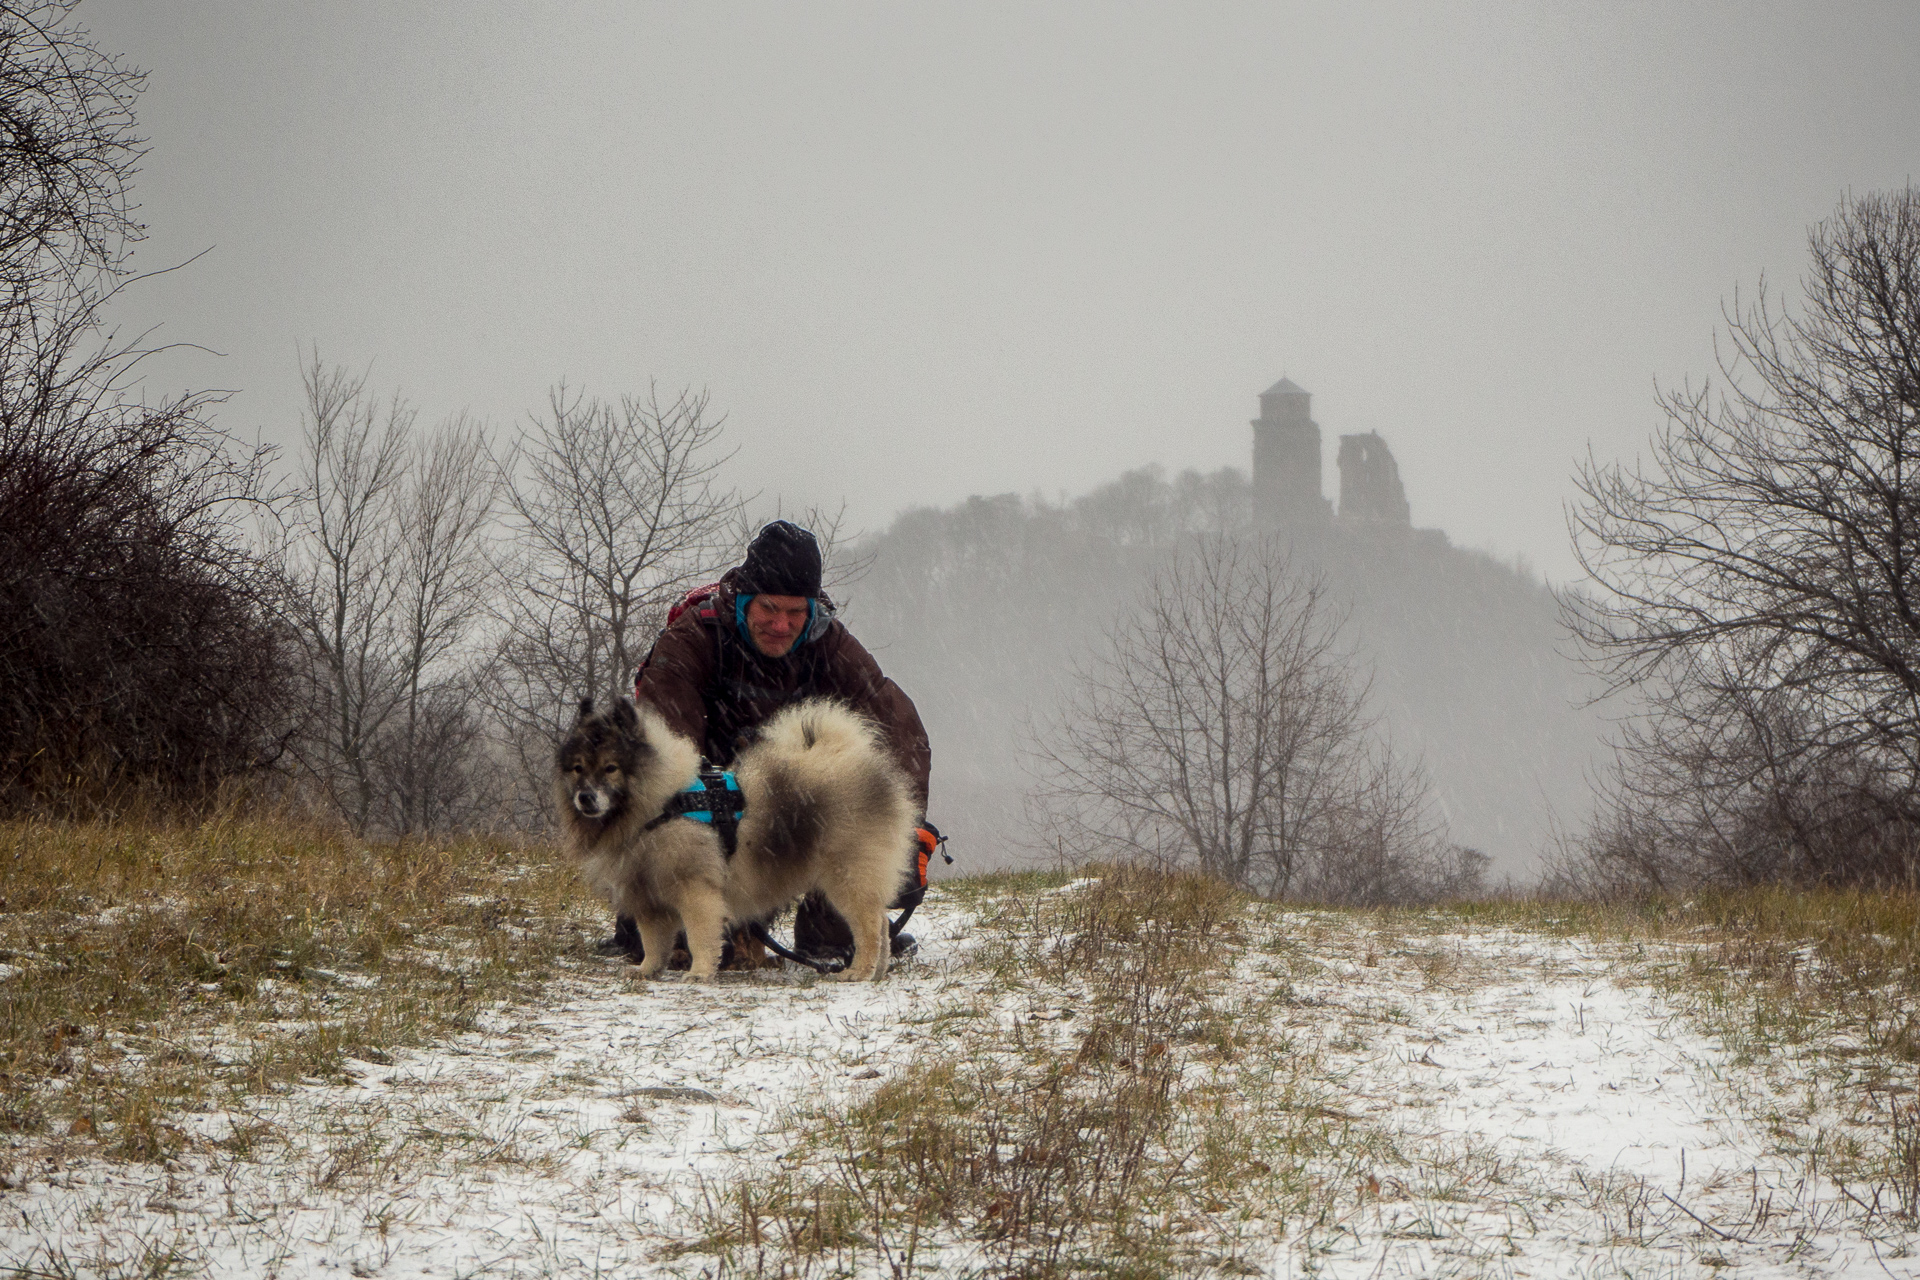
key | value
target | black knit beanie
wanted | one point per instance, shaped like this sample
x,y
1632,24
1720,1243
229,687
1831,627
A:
x,y
782,560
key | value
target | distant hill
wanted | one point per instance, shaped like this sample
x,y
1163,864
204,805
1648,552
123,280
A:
x,y
979,611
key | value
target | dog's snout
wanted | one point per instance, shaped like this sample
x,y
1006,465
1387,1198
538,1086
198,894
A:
x,y
586,802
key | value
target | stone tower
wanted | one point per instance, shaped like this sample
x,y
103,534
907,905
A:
x,y
1370,487
1286,459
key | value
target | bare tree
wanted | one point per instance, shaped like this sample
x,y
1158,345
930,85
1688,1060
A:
x,y
345,561
614,511
135,645
1768,559
1144,509
1223,728
443,589
68,155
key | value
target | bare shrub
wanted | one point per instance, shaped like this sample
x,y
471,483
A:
x,y
134,647
1757,584
1223,729
1739,799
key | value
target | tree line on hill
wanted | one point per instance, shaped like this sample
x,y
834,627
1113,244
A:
x,y
1749,614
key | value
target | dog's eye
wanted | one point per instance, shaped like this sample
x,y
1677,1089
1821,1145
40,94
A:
x,y
611,769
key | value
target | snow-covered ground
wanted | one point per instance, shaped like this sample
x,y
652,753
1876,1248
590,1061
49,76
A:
x,y
1587,1127
1552,1118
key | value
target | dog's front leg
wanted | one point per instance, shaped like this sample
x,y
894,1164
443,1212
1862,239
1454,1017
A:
x,y
705,920
656,939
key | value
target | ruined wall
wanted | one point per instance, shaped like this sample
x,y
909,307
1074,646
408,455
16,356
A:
x,y
1370,487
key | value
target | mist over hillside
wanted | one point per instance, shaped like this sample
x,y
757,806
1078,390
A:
x,y
981,610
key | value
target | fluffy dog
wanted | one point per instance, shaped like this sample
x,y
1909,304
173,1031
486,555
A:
x,y
826,809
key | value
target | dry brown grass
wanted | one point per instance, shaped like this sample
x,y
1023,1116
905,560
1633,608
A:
x,y
1792,964
157,967
1122,1110
1145,1125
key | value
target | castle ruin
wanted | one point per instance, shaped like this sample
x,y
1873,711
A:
x,y
1286,468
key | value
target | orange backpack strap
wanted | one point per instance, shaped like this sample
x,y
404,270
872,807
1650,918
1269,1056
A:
x,y
927,840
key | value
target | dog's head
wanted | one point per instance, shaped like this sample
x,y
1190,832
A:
x,y
599,759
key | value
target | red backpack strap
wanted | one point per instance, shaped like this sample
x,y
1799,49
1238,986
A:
x,y
700,600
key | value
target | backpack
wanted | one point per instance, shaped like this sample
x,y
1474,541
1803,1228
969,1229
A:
x,y
699,599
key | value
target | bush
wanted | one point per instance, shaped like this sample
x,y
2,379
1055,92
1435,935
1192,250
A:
x,y
136,647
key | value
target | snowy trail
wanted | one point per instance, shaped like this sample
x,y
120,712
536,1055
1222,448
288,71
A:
x,y
1556,1124
1590,1131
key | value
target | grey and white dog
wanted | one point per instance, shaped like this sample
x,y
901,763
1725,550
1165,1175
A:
x,y
826,809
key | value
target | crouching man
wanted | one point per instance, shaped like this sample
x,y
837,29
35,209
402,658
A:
x,y
765,637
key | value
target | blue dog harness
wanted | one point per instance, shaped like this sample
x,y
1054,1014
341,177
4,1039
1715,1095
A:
x,y
714,798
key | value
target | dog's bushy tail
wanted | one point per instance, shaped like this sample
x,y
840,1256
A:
x,y
825,765
823,730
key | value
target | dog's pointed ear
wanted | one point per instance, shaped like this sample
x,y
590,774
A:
x,y
586,708
624,713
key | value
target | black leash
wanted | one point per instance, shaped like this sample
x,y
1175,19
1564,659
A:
x,y
759,931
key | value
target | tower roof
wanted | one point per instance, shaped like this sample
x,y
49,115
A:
x,y
1285,387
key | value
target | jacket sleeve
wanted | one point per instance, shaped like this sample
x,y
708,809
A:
x,y
675,675
859,680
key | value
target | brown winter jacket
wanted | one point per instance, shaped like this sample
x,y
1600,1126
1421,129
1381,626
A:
x,y
714,685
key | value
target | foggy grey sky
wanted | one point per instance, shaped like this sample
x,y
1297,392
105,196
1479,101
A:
x,y
917,251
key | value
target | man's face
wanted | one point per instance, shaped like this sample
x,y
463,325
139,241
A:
x,y
775,622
